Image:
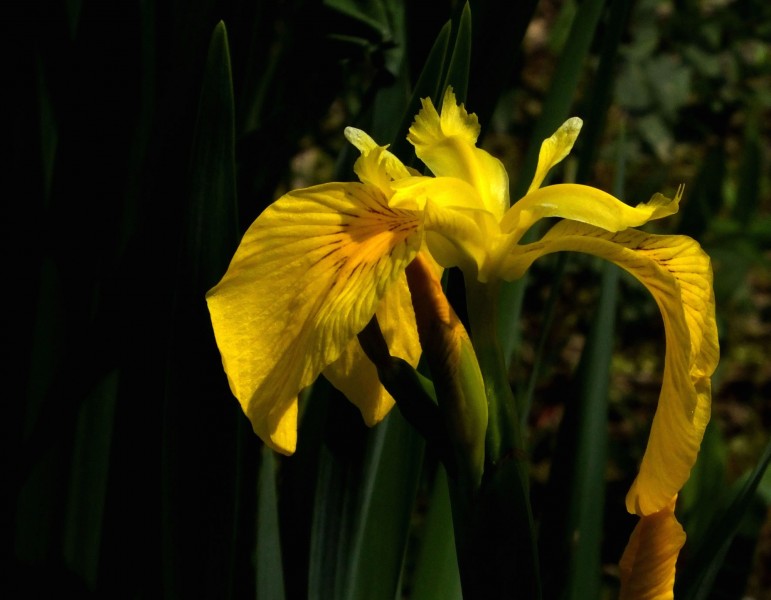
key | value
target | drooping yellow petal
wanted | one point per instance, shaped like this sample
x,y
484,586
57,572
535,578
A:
x,y
306,278
679,276
555,148
355,375
648,564
585,204
446,143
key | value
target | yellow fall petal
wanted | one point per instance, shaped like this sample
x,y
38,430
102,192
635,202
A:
x,y
585,204
355,375
648,564
446,143
554,149
679,276
306,278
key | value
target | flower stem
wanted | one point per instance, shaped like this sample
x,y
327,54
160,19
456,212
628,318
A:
x,y
504,434
501,541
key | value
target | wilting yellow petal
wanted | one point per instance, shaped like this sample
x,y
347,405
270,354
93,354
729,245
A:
x,y
355,375
585,204
306,278
446,144
648,564
679,276
555,148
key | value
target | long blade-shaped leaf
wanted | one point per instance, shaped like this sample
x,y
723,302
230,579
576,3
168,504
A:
x,y
366,488
460,61
270,578
196,502
365,492
555,110
571,528
436,575
697,580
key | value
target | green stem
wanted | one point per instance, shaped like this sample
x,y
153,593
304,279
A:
x,y
504,434
501,543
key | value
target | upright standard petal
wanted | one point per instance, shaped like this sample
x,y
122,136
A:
x,y
679,276
554,149
376,165
648,564
446,143
307,277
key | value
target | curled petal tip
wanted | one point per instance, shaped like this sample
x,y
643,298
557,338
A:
x,y
359,139
572,125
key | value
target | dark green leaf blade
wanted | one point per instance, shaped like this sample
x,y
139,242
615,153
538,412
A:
x,y
700,573
436,575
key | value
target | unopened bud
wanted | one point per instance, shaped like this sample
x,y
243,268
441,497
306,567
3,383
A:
x,y
460,389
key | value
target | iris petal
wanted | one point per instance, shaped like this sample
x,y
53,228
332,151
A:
x,y
648,564
446,144
306,278
461,237
585,204
679,276
355,375
554,149
376,165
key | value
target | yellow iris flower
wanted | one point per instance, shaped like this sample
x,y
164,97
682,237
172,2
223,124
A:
x,y
319,262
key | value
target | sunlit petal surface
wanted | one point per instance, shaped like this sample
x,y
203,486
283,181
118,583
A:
x,y
376,165
306,278
355,375
555,148
679,276
648,564
446,143
585,204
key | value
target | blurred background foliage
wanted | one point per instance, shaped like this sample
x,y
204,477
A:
x,y
145,137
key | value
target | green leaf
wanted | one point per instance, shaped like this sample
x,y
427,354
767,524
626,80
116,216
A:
x,y
705,196
555,111
698,577
572,522
428,85
563,87
373,14
269,569
707,482
499,28
203,433
88,484
364,499
366,487
212,220
750,169
498,553
393,463
385,19
458,68
436,575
